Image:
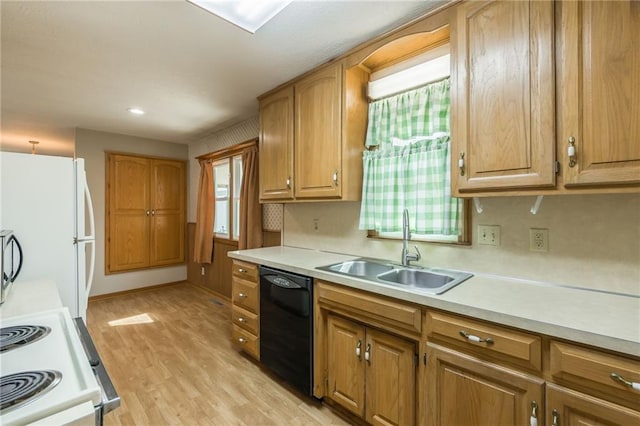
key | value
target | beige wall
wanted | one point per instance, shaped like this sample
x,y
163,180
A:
x,y
594,240
91,145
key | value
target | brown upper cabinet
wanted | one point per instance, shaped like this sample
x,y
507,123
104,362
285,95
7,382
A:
x,y
502,95
536,81
146,204
312,136
276,145
527,78
599,92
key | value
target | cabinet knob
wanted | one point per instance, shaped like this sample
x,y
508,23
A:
x,y
242,270
148,212
476,339
242,295
240,319
571,151
288,182
334,177
367,353
555,417
242,340
461,163
358,349
153,212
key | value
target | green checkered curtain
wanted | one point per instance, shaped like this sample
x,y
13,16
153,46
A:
x,y
409,169
414,113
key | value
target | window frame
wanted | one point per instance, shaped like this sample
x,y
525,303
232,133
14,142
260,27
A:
x,y
227,153
465,236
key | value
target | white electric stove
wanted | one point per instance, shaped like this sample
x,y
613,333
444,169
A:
x,y
55,361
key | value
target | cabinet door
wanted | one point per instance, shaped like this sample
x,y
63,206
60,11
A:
x,y
390,380
503,95
345,363
463,390
276,146
569,408
317,134
129,210
167,212
600,91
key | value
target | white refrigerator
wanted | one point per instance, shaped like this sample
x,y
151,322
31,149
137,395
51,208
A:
x,y
45,200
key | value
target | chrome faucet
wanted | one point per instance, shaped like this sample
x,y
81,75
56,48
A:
x,y
407,257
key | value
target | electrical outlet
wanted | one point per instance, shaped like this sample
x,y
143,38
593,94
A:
x,y
489,235
316,225
539,239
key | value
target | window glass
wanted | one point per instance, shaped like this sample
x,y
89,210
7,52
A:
x,y
237,185
221,183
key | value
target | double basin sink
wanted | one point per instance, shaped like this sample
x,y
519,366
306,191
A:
x,y
421,280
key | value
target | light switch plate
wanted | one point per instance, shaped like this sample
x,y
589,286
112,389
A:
x,y
489,235
539,239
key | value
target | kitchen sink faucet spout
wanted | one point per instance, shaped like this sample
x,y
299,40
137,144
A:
x,y
407,257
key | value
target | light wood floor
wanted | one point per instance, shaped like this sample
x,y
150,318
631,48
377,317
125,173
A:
x,y
169,355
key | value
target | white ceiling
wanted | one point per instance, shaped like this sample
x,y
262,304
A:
x,y
68,64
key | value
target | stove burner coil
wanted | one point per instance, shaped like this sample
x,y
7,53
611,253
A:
x,y
20,335
21,388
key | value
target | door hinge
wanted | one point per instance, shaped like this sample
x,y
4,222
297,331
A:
x,y
557,167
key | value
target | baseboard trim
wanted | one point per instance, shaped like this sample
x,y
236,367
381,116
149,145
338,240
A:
x,y
208,290
136,290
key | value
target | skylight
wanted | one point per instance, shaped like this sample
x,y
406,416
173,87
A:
x,y
246,14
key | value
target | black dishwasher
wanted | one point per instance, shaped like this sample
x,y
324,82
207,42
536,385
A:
x,y
286,326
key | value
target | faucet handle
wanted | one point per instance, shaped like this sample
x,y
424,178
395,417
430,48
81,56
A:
x,y
419,255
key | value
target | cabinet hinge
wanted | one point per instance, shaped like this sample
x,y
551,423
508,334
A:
x,y
557,167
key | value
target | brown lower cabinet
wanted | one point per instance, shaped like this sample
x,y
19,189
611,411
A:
x,y
466,371
464,390
371,373
566,407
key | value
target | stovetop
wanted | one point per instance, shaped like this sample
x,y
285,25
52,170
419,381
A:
x,y
54,356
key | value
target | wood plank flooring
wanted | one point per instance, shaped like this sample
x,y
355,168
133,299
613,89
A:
x,y
169,355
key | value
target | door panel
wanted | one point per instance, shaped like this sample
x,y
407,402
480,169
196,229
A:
x,y
503,95
600,89
571,408
467,390
317,134
390,380
276,145
345,367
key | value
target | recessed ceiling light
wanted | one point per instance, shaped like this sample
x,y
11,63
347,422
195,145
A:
x,y
246,14
136,111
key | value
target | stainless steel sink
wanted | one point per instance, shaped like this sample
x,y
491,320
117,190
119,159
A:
x,y
360,268
420,280
416,278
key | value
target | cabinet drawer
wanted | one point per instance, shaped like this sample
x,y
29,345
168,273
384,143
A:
x,y
591,371
246,341
245,271
245,294
378,310
245,319
520,348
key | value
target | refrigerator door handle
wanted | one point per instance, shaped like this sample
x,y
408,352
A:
x,y
91,237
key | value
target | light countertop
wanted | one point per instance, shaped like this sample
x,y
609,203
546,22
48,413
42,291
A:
x,y
26,297
605,320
